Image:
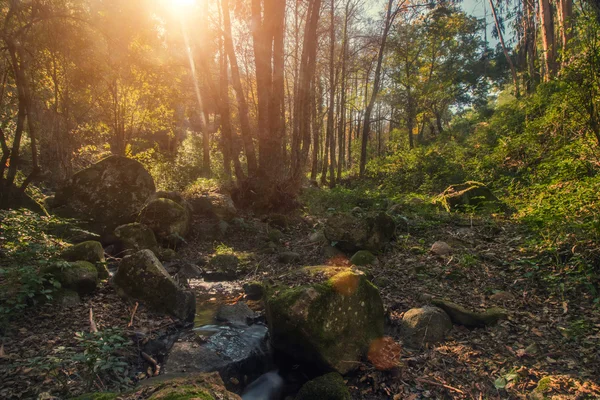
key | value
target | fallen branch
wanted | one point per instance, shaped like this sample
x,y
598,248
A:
x,y
93,327
439,384
152,361
133,314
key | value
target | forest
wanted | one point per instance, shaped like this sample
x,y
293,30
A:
x,y
299,199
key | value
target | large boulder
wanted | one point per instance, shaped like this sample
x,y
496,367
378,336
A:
x,y
351,233
215,205
426,325
90,251
142,277
135,237
469,195
80,276
105,195
331,321
169,220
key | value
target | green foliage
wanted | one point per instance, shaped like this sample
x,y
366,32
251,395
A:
x,y
24,249
103,358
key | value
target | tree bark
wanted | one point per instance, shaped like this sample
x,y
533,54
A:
x,y
548,39
513,70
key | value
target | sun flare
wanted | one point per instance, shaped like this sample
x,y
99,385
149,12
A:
x,y
180,5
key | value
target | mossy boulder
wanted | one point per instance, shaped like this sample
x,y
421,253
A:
x,y
369,231
135,237
426,325
190,387
469,195
330,321
142,277
90,251
327,387
222,267
80,276
169,220
106,194
362,258
470,319
214,205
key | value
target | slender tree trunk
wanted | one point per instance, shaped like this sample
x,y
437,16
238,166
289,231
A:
x,y
565,12
548,40
513,70
332,80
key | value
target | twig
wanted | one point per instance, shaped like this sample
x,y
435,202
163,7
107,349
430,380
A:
x,y
439,384
152,361
93,327
133,314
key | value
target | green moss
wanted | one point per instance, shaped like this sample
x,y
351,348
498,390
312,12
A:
x,y
80,276
326,387
97,396
181,393
544,385
275,235
363,257
90,251
135,237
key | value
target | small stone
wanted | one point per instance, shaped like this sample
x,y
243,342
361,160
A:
x,y
237,314
441,248
288,257
317,237
425,325
253,290
363,257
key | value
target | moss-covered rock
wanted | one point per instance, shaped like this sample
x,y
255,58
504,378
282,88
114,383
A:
x,y
90,251
142,277
274,235
469,195
425,325
363,257
135,237
80,276
470,319
288,257
67,298
369,231
222,267
215,205
331,321
169,221
189,387
105,195
327,387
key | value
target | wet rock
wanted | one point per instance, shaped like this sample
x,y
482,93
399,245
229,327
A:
x,y
80,276
235,314
254,290
461,316
440,248
425,325
233,351
142,277
326,387
331,321
469,195
371,231
90,251
169,220
214,205
363,257
106,194
288,257
135,237
268,386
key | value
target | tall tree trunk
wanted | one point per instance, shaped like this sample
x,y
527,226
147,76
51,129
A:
x,y
239,91
548,39
332,80
565,13
513,70
389,20
342,119
316,129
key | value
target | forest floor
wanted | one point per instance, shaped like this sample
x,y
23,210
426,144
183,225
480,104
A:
x,y
549,341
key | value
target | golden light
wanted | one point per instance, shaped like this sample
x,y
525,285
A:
x,y
180,5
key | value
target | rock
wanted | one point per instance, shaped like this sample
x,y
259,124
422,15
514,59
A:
x,y
268,386
135,237
254,290
278,221
357,211
368,232
327,387
90,251
469,195
173,196
318,237
332,321
12,197
502,297
274,235
67,298
233,351
190,386
166,254
461,316
331,253
363,257
142,277
189,271
385,353
214,205
105,195
441,248
80,276
426,325
288,257
236,314
169,221
222,267
222,227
